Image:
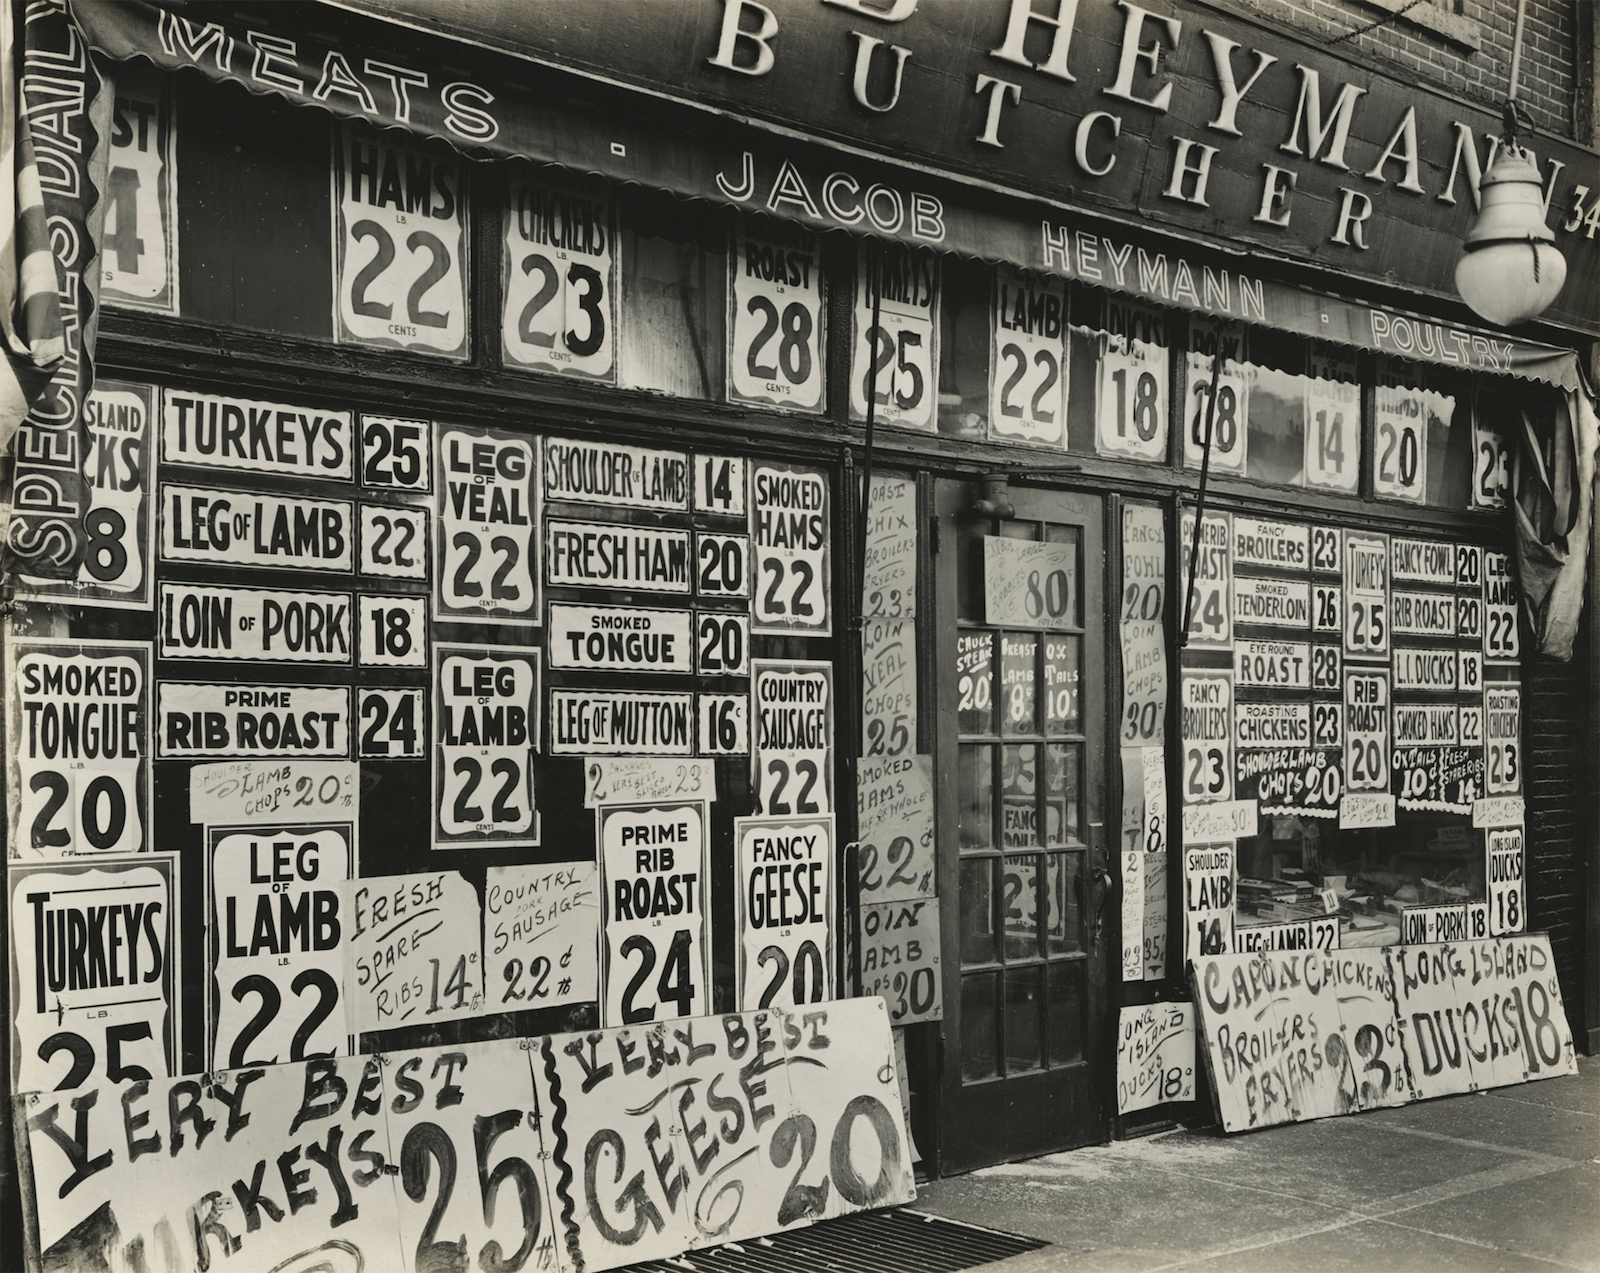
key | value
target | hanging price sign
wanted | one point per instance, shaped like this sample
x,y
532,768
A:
x,y
655,934
1211,600
78,728
775,318
139,251
94,971
1366,730
1028,359
413,953
120,524
789,528
275,919
486,715
1229,423
1500,640
792,756
1491,464
400,269
1208,895
1400,441
1130,414
1332,423
1207,737
488,514
1502,714
783,911
559,279
1366,596
899,356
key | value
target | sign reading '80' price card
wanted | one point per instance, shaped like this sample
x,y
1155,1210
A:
x,y
400,269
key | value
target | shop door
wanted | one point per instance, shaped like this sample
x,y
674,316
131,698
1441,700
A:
x,y
1021,694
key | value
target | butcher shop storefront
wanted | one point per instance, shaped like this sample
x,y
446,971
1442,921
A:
x,y
641,591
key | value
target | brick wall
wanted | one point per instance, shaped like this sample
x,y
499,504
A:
x,y
1548,80
1559,788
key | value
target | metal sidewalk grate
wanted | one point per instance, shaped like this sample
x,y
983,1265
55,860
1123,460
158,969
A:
x,y
897,1241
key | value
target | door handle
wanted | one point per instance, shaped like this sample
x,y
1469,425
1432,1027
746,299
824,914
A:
x,y
1104,886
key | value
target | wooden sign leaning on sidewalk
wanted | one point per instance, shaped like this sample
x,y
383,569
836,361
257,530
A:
x,y
1295,1035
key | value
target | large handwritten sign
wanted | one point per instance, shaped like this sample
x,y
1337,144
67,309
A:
x,y
540,930
533,1152
1155,1056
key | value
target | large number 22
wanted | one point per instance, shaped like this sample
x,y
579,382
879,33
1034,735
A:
x,y
383,259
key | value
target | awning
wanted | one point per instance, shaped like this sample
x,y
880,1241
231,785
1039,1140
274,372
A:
x,y
515,109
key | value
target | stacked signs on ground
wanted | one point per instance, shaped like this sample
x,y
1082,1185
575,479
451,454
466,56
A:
x,y
1295,1035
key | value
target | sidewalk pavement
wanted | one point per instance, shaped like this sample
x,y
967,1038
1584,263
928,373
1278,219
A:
x,y
1503,1181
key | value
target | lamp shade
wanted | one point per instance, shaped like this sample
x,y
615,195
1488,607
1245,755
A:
x,y
1510,269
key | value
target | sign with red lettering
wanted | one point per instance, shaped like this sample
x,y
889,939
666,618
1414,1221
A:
x,y
558,276
94,971
400,260
783,911
276,921
486,716
655,918
488,516
775,320
78,734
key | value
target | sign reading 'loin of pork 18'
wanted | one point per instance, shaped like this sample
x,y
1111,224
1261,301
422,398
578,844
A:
x,y
655,944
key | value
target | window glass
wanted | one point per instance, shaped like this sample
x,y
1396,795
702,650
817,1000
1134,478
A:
x,y
1332,460
1276,408
964,348
674,298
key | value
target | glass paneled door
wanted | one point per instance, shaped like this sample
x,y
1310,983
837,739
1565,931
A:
x,y
1021,692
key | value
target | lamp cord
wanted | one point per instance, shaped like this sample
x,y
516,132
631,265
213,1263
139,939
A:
x,y
1373,26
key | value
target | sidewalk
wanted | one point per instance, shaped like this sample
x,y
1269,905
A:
x,y
1499,1182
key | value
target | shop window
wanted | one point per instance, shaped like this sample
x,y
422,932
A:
x,y
964,348
1417,457
674,298
1276,420
254,209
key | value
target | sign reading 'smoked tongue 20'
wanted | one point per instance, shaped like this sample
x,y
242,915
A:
x,y
572,1153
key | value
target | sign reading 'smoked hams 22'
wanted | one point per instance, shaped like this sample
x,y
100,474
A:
x,y
487,493
366,1144
78,731
790,528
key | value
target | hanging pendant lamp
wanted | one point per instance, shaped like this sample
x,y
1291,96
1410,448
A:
x,y
1510,268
